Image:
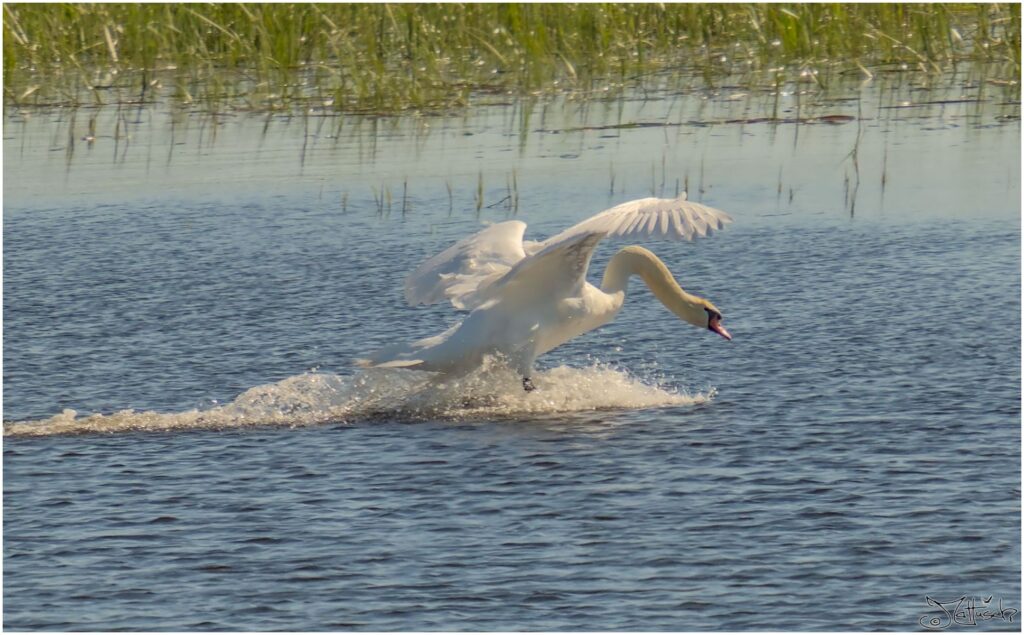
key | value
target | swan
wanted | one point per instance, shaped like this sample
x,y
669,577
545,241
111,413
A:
x,y
525,298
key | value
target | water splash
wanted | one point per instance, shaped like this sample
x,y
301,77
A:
x,y
315,398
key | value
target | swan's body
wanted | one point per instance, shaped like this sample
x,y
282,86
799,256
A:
x,y
526,298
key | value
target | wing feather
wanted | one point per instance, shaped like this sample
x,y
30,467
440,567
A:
x,y
651,220
678,226
459,272
556,271
629,224
675,218
700,225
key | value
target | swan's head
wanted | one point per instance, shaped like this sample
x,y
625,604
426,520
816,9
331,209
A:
x,y
713,320
699,312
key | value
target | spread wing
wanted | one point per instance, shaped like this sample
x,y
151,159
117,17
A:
x,y
673,218
497,261
558,270
473,263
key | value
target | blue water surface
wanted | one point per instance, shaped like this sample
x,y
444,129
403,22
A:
x,y
853,451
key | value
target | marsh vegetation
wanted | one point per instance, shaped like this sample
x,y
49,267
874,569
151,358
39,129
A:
x,y
388,58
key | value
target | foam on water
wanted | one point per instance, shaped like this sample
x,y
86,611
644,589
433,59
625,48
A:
x,y
314,398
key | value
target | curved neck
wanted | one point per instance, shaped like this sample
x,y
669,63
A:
x,y
640,261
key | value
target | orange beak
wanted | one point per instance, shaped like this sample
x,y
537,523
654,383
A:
x,y
715,324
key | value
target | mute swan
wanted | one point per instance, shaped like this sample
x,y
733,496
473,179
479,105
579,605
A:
x,y
526,298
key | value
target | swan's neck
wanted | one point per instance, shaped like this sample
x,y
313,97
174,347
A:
x,y
639,261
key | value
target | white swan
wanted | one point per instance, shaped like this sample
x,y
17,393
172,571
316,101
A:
x,y
525,298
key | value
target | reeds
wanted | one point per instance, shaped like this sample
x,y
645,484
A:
x,y
384,58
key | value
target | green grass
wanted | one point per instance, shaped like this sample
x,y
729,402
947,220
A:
x,y
398,57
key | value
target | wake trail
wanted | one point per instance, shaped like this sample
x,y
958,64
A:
x,y
494,392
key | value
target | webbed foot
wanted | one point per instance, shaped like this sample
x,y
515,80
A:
x,y
527,384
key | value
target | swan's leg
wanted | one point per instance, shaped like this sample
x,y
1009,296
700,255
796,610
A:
x,y
523,363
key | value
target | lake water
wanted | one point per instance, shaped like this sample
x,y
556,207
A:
x,y
187,446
